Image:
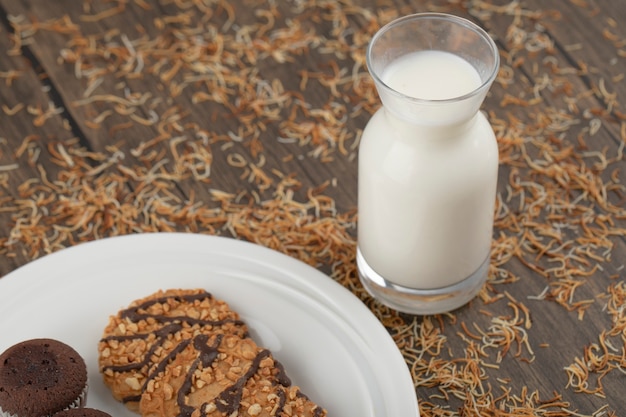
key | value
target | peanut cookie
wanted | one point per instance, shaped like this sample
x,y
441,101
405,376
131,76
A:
x,y
224,375
139,340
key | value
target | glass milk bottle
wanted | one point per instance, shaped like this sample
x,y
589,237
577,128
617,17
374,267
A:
x,y
428,165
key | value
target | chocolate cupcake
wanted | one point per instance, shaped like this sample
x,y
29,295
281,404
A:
x,y
82,412
40,377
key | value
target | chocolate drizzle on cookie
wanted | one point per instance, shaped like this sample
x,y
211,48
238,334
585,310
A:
x,y
161,336
159,368
171,325
183,353
208,354
228,400
134,315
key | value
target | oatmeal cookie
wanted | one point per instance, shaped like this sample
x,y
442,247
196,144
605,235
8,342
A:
x,y
139,340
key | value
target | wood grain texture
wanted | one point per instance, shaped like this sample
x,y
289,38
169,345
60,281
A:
x,y
243,118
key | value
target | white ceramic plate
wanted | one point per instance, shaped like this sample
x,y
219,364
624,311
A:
x,y
329,342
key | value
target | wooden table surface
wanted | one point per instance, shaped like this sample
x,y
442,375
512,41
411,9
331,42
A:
x,y
242,118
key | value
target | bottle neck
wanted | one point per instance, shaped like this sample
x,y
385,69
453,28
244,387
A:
x,y
429,130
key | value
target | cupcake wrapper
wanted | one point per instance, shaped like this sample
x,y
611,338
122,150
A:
x,y
6,413
81,400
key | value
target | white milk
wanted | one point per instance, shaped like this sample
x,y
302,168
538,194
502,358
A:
x,y
427,192
431,75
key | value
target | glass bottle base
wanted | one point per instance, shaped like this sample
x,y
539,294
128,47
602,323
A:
x,y
421,302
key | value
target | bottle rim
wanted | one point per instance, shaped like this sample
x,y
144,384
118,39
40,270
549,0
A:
x,y
442,17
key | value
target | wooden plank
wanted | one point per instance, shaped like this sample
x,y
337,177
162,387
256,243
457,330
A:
x,y
156,93
33,132
181,108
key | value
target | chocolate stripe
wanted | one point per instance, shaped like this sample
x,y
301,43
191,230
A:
x,y
228,400
159,368
208,354
134,315
161,335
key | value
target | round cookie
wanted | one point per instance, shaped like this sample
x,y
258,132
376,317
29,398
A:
x,y
40,377
82,412
139,340
224,375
